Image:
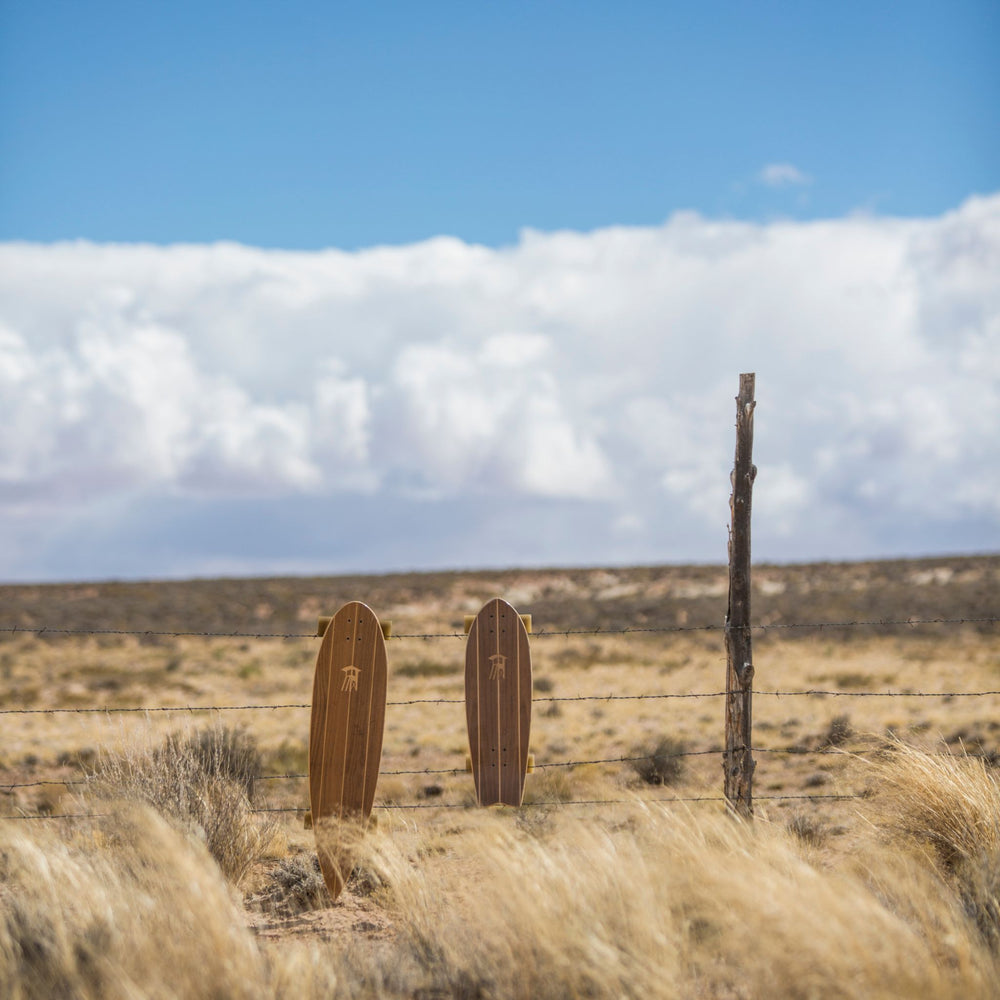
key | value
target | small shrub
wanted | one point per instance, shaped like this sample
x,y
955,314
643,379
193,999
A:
x,y
852,680
202,783
816,780
662,764
808,829
296,885
221,752
838,732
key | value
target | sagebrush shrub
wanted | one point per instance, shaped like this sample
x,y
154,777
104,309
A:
x,y
661,763
203,782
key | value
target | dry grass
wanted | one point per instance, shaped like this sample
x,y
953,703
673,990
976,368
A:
x,y
947,808
129,908
640,902
891,896
678,907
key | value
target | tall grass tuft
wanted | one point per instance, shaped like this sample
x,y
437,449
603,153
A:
x,y
128,909
663,904
947,807
203,782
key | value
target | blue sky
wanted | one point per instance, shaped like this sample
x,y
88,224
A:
x,y
308,125
303,287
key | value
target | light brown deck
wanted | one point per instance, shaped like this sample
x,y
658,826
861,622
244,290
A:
x,y
498,703
345,737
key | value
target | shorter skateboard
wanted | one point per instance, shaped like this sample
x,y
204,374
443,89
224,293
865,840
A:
x,y
345,733
498,702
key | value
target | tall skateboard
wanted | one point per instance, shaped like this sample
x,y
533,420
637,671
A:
x,y
498,702
345,735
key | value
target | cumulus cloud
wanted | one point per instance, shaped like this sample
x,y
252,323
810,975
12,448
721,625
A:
x,y
566,399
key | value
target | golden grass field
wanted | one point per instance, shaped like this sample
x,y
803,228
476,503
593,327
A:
x,y
617,877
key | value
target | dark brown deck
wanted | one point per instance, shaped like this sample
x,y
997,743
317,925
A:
x,y
498,703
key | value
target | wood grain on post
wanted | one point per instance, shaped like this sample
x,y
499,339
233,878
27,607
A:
x,y
738,763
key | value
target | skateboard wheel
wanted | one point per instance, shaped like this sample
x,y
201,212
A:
x,y
527,622
323,624
469,619
468,763
307,821
386,629
531,763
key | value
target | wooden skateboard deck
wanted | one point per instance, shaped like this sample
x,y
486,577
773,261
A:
x,y
345,735
498,703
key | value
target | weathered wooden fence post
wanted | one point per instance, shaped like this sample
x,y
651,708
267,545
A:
x,y
738,762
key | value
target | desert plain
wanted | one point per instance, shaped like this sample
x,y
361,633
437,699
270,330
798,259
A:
x,y
851,661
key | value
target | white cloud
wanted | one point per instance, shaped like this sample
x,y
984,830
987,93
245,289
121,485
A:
x,y
779,175
590,373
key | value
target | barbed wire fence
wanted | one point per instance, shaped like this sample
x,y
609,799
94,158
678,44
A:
x,y
623,630
736,753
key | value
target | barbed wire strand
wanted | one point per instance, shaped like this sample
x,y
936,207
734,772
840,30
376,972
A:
x,y
41,630
8,787
543,803
808,692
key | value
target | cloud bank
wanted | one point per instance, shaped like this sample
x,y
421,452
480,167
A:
x,y
223,409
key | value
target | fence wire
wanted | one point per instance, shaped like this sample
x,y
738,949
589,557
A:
x,y
539,804
795,751
42,630
653,696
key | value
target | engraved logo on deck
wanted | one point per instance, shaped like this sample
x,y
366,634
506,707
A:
x,y
350,678
498,666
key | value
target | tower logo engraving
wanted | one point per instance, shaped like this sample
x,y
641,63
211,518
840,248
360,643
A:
x,y
498,666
